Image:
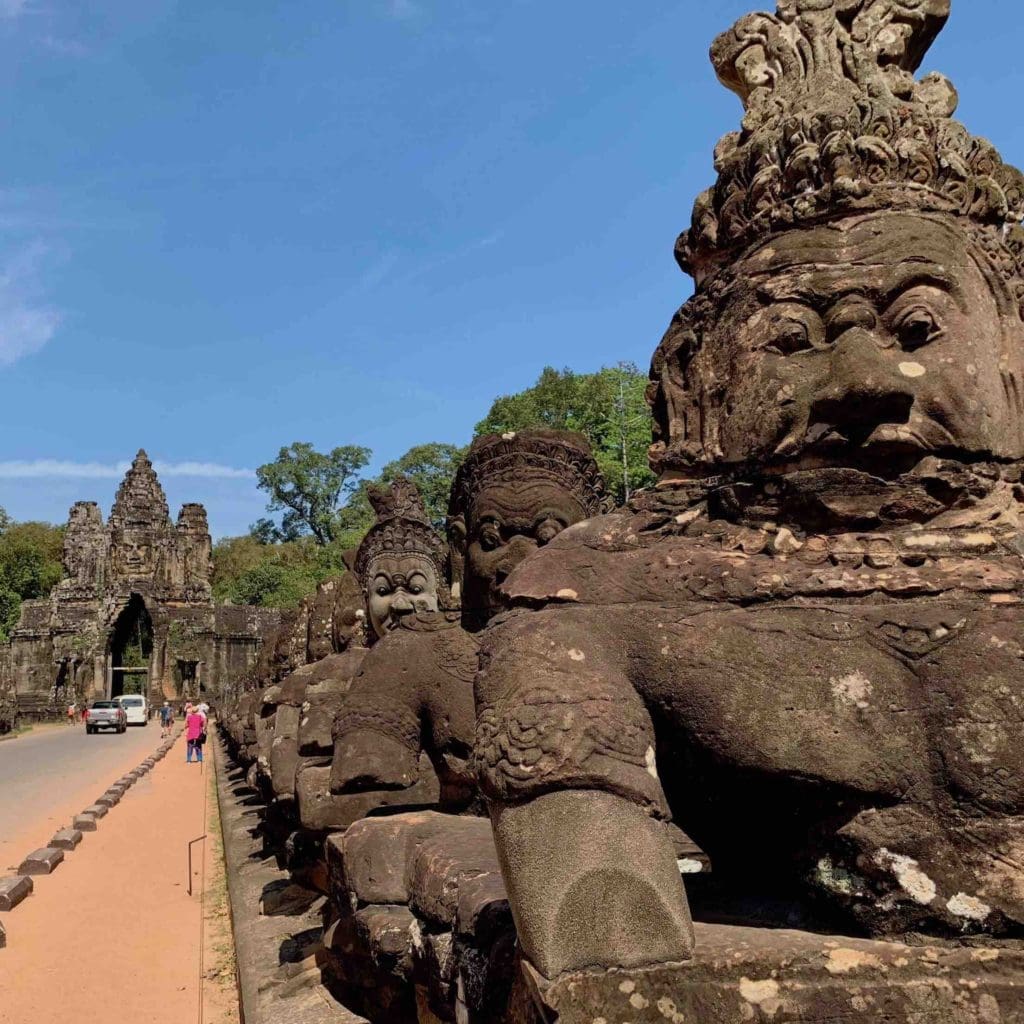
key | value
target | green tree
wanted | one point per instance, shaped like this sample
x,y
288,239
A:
x,y
308,487
354,518
30,566
608,407
278,575
432,467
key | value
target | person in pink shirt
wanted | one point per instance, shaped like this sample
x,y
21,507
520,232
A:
x,y
195,734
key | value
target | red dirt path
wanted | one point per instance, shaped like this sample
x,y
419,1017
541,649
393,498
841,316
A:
x,y
113,935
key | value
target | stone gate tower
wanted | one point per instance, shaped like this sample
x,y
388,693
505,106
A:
x,y
134,611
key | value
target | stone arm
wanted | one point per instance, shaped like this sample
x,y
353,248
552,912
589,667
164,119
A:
x,y
409,710
566,759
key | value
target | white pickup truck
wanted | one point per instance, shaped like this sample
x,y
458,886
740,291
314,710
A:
x,y
106,714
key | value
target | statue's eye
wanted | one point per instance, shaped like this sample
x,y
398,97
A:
x,y
383,590
490,538
918,327
791,329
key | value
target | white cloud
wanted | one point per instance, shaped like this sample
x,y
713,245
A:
x,y
26,323
50,469
203,469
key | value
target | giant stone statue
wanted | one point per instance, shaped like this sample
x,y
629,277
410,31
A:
x,y
805,645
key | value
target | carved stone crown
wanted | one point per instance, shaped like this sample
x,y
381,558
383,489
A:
x,y
562,457
837,124
402,528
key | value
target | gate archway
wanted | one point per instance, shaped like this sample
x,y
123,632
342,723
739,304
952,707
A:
x,y
131,649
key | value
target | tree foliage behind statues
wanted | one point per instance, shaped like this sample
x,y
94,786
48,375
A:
x,y
323,496
608,407
30,566
309,487
247,570
277,565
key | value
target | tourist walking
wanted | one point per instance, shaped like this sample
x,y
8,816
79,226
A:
x,y
195,735
166,719
72,714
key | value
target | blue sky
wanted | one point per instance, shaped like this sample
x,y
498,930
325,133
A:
x,y
226,225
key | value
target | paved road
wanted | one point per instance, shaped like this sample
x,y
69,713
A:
x,y
55,772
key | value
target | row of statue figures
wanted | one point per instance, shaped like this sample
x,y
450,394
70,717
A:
x,y
790,675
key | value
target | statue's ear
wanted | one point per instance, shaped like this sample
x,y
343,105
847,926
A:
x,y
457,549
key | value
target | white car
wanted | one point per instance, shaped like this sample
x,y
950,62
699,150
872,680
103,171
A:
x,y
136,708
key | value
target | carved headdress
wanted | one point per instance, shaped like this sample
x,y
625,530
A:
x,y
837,124
560,456
402,528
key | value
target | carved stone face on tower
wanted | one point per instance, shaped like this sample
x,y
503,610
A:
x,y
514,494
402,561
133,556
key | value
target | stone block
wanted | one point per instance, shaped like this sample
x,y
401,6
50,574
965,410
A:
x,y
66,839
13,890
438,866
286,900
97,810
43,861
84,823
3,937
483,909
760,974
321,811
108,800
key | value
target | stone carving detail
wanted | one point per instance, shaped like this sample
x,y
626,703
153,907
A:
x,y
414,694
836,123
513,494
837,129
402,562
85,549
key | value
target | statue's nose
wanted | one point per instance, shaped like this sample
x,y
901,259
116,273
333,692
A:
x,y
402,604
864,389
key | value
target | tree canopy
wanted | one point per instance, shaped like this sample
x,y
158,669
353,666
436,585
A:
x,y
308,486
608,407
247,570
323,496
30,566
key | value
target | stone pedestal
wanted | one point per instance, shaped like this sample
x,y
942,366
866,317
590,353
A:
x,y
759,976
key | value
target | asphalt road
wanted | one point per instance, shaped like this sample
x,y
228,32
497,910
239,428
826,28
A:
x,y
46,774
